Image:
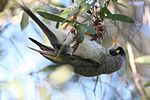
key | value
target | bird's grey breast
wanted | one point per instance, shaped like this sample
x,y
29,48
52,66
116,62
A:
x,y
113,63
92,50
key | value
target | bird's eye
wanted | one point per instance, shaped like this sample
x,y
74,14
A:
x,y
117,51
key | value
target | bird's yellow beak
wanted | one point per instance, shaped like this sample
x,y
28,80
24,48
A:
x,y
114,41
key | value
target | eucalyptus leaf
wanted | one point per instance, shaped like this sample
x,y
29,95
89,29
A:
x,y
143,59
66,12
104,12
120,17
73,12
80,35
51,16
78,2
24,21
57,25
82,28
87,29
85,7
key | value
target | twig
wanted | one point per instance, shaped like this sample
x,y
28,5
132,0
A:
x,y
129,38
94,90
114,89
136,76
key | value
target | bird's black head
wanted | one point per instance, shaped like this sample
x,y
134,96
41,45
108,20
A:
x,y
118,51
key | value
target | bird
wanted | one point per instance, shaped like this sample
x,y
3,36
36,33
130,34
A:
x,y
89,59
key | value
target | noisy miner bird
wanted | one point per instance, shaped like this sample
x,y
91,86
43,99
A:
x,y
89,59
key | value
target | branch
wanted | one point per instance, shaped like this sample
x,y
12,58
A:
x,y
136,76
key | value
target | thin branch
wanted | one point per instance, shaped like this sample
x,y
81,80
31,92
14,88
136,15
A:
x,y
136,76
94,90
113,88
129,38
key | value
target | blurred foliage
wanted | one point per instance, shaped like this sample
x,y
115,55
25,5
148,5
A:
x,y
143,59
56,3
147,84
61,75
24,21
45,95
3,3
15,88
83,11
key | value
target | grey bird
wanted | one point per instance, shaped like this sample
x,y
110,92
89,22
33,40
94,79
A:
x,y
89,59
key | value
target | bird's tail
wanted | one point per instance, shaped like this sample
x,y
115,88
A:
x,y
41,46
52,38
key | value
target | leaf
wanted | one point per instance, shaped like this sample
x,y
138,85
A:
x,y
85,8
87,29
82,28
120,17
24,21
104,12
51,16
65,13
57,25
80,35
143,59
73,12
147,84
78,2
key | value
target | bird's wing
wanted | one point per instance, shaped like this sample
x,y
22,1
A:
x,y
41,46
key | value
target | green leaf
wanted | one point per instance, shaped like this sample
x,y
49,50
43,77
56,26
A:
x,y
57,25
80,35
120,17
104,12
143,59
82,28
24,21
87,29
51,16
67,11
78,2
73,12
147,84
85,7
